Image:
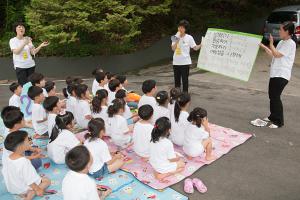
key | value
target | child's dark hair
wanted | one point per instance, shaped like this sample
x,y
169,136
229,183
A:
x,y
12,117
290,27
77,80
174,94
197,115
69,80
182,100
121,94
36,78
100,76
162,98
34,91
80,90
113,84
13,86
161,128
49,85
69,90
145,112
16,24
185,24
109,75
14,139
77,158
8,109
50,103
121,78
61,122
97,100
101,91
95,126
115,107
96,70
148,85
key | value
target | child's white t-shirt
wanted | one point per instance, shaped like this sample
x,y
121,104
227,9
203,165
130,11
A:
x,y
51,122
111,97
64,142
160,111
81,111
141,139
147,100
127,113
100,153
77,186
19,174
102,114
178,128
193,138
116,128
38,114
160,154
45,93
94,86
71,104
106,87
15,101
98,87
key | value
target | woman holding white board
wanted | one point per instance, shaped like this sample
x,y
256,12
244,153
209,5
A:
x,y
280,73
181,45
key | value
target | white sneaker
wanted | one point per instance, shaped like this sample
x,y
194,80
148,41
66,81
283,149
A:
x,y
266,119
259,123
273,126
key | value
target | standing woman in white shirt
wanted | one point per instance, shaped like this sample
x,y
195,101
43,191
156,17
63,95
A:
x,y
22,49
181,45
281,69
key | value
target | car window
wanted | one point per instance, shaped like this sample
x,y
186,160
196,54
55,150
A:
x,y
280,17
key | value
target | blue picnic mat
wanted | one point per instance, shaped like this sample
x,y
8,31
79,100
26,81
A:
x,y
124,185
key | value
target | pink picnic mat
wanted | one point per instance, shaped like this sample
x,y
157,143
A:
x,y
224,139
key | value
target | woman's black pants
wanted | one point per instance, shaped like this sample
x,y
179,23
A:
x,y
23,74
181,73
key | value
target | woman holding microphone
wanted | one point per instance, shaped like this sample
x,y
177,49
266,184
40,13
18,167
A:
x,y
23,49
181,45
280,73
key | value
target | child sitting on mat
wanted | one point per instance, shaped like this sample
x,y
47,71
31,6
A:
x,y
179,119
163,158
104,162
149,89
62,139
77,185
197,135
129,116
101,80
95,83
117,126
14,100
114,86
20,177
38,79
99,105
110,76
69,94
53,106
174,94
161,110
82,112
39,115
142,132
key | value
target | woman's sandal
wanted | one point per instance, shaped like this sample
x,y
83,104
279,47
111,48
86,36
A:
x,y
188,186
199,185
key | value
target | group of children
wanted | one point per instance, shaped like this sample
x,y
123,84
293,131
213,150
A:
x,y
162,119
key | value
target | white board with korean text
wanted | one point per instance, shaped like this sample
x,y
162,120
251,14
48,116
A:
x,y
229,53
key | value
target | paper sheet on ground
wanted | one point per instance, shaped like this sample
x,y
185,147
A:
x,y
229,53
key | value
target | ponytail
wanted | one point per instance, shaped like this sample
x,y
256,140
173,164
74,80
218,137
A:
x,y
66,95
95,126
96,105
113,109
61,122
174,93
161,128
182,100
197,115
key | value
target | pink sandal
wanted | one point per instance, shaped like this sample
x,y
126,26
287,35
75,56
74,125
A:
x,y
188,186
199,185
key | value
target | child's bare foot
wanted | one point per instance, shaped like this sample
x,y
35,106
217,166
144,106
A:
x,y
30,195
160,176
210,157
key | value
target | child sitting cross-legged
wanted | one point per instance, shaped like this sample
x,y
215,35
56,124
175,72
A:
x,y
117,127
142,132
104,161
163,158
197,135
62,139
77,185
20,177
